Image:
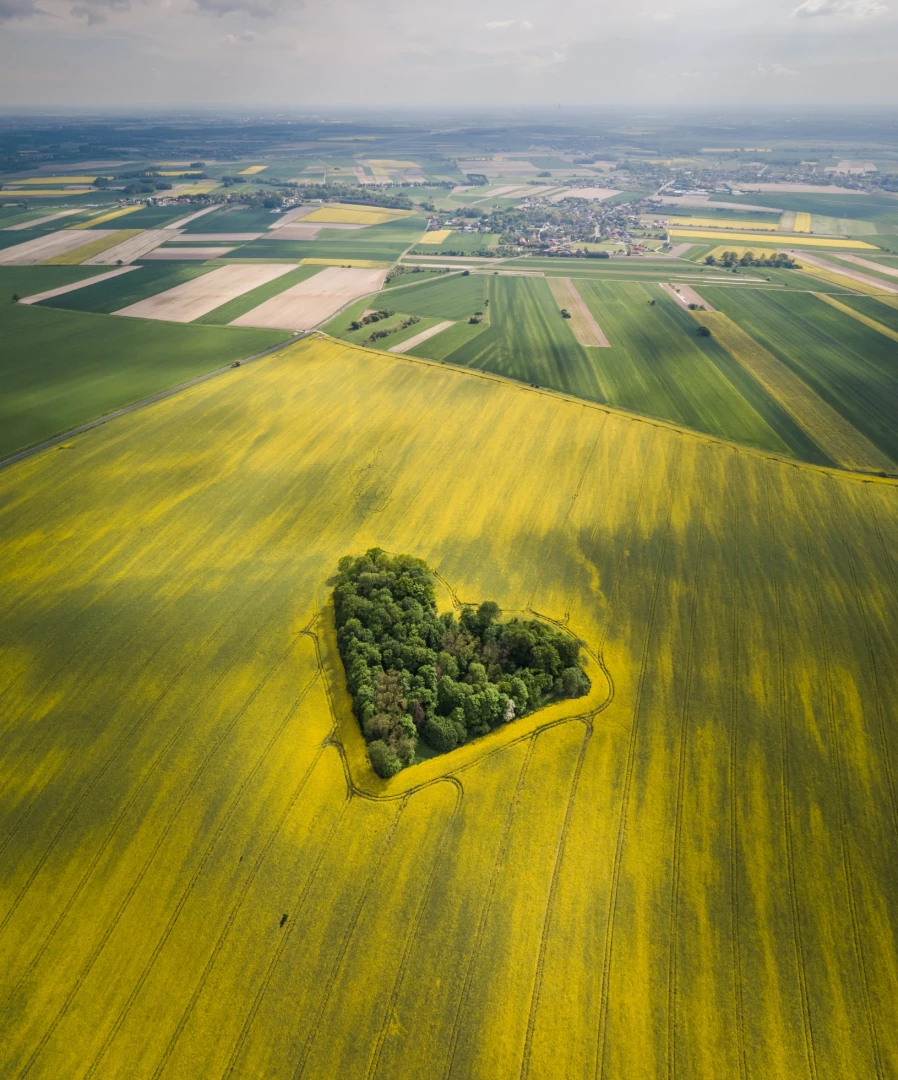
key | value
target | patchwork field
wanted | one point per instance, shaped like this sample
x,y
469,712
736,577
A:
x,y
850,366
49,246
188,301
695,877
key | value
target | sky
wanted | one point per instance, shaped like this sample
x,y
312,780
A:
x,y
308,54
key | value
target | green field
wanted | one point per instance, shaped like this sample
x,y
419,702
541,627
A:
x,y
118,292
874,308
660,367
694,876
230,221
849,365
150,217
657,364
30,280
62,368
881,209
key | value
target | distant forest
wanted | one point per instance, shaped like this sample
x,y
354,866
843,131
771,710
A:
x,y
416,675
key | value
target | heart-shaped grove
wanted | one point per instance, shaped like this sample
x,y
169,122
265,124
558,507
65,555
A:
x,y
424,683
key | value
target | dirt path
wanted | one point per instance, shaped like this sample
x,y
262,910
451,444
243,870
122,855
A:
x,y
410,343
686,295
586,330
192,217
679,249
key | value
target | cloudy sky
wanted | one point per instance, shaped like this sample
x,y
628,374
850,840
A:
x,y
312,53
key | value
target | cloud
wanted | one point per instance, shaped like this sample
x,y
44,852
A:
x,y
97,11
18,9
774,69
690,74
857,9
243,38
526,25
662,16
499,24
258,9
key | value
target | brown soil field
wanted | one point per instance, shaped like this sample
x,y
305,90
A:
x,y
194,298
312,301
42,248
586,330
405,346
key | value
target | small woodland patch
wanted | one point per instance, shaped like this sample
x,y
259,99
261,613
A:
x,y
416,675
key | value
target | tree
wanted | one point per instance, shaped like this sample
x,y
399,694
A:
x,y
384,762
704,331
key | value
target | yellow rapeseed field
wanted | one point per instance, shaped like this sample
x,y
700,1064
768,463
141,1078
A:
x,y
344,215
252,170
792,241
45,192
435,236
690,874
802,222
56,180
721,223
846,282
110,216
96,247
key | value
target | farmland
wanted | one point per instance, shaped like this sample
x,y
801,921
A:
x,y
64,368
202,878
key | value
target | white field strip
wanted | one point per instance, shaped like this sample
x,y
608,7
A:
x,y
192,217
206,238
42,220
586,330
679,249
686,295
134,248
190,300
32,252
309,303
77,285
834,268
181,254
883,268
410,343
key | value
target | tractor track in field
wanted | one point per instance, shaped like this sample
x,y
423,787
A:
x,y
674,916
838,765
785,788
630,765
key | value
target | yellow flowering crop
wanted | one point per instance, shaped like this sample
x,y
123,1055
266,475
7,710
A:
x,y
203,878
